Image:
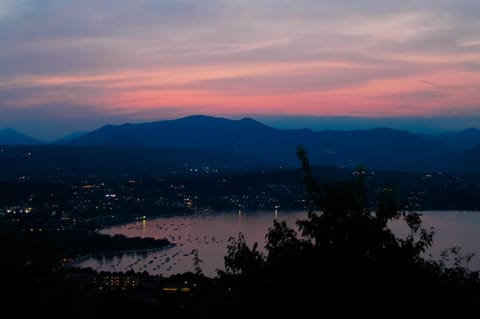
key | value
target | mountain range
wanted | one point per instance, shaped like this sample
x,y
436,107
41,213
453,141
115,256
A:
x,y
380,148
11,137
254,142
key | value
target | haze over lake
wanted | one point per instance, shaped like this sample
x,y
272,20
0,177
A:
x,y
209,234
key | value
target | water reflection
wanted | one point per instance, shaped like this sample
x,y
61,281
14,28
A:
x,y
452,229
209,233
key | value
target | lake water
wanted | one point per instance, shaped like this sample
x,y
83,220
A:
x,y
209,233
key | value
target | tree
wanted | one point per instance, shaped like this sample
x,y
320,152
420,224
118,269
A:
x,y
240,259
346,260
196,263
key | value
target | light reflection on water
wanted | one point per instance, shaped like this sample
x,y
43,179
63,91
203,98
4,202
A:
x,y
452,229
209,234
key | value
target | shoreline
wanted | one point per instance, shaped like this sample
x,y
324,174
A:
x,y
116,253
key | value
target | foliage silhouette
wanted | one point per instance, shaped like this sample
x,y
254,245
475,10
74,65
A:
x,y
196,263
345,260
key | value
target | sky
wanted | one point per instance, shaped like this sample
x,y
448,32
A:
x,y
69,65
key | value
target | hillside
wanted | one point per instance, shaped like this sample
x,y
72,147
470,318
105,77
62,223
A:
x,y
377,148
12,137
55,160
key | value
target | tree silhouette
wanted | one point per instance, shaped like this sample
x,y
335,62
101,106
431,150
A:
x,y
240,259
345,259
196,263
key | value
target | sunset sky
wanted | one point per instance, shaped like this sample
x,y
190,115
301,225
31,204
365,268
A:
x,y
67,65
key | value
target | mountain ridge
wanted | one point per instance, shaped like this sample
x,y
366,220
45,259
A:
x,y
10,136
381,148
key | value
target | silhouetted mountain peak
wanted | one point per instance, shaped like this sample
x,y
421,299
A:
x,y
195,119
10,136
199,117
69,137
249,120
462,140
196,131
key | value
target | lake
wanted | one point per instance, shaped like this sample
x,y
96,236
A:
x,y
209,233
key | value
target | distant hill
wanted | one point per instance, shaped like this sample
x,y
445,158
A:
x,y
193,131
59,160
377,148
12,137
69,137
465,162
462,140
161,147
